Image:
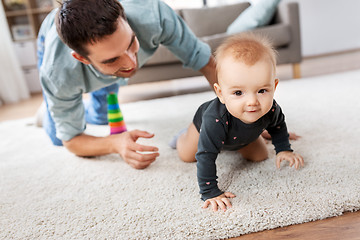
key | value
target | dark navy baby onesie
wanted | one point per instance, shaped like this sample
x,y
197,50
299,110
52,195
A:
x,y
219,130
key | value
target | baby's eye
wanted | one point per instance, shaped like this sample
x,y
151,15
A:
x,y
238,93
262,91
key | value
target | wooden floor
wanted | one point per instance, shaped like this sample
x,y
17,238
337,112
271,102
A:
x,y
343,227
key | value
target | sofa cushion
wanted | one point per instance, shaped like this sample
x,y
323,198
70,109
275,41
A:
x,y
257,15
208,21
162,56
215,40
278,34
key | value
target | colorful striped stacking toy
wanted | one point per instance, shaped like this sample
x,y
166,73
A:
x,y
115,117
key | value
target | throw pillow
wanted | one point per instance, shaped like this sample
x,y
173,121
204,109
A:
x,y
257,15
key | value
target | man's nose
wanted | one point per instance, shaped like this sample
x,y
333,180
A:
x,y
131,58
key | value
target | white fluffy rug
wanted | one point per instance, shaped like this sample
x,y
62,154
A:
x,y
48,193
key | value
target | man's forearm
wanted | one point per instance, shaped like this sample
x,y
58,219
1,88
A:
x,y
86,145
209,71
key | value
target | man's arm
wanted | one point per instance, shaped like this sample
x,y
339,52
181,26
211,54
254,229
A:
x,y
209,71
123,144
176,35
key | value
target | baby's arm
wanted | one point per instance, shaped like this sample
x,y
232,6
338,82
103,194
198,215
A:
x,y
280,139
210,142
222,201
293,159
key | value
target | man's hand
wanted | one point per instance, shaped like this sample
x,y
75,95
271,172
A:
x,y
132,152
124,144
222,201
291,157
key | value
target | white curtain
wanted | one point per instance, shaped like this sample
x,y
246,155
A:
x,y
13,86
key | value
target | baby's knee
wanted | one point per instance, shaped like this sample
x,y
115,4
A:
x,y
259,157
189,158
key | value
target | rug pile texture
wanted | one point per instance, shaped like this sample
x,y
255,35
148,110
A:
x,y
47,192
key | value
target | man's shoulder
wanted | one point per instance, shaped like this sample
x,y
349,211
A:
x,y
48,22
57,57
146,17
56,54
142,11
59,69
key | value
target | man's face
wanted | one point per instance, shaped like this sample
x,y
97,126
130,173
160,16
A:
x,y
116,54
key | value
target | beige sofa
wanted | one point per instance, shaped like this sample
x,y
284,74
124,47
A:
x,y
210,24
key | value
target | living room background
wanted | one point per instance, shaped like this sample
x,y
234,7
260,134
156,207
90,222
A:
x,y
326,26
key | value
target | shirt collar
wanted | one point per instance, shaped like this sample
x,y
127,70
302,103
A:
x,y
99,74
122,81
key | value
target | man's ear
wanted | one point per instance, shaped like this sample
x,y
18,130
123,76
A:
x,y
80,58
276,82
218,92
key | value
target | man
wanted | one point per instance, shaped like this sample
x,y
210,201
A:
x,y
95,46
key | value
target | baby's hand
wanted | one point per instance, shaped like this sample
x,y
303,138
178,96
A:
x,y
291,157
222,201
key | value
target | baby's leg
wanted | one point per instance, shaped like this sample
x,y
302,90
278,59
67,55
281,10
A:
x,y
187,144
255,151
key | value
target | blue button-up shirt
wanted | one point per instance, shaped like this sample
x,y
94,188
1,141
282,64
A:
x,y
64,79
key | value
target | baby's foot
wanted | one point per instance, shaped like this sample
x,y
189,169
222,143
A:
x,y
173,141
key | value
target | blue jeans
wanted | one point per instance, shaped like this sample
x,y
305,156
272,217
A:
x,y
95,112
95,108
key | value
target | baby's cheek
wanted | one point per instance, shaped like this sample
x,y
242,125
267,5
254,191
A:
x,y
269,105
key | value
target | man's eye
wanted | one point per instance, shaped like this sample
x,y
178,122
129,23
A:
x,y
238,93
263,91
110,61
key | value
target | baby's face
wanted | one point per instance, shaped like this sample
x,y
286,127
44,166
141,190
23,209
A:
x,y
246,91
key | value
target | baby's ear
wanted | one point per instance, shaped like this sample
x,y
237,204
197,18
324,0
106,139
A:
x,y
276,82
218,92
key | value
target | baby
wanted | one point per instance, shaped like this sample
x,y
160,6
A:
x,y
235,120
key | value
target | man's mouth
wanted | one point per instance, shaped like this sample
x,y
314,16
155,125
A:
x,y
128,70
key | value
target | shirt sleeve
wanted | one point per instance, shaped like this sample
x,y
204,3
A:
x,y
66,109
278,129
211,140
180,40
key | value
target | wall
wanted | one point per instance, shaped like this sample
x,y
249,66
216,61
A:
x,y
329,26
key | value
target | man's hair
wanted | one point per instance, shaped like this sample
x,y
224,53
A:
x,y
248,48
79,22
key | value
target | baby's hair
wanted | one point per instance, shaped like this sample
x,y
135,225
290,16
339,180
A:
x,y
248,48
